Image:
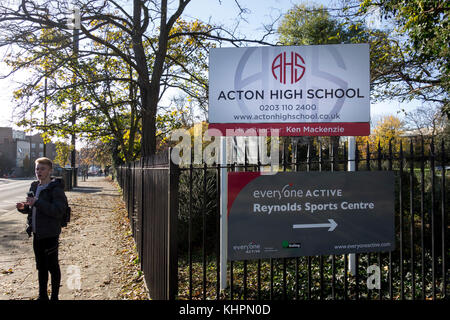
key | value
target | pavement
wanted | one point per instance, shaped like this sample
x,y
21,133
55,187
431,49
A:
x,y
97,253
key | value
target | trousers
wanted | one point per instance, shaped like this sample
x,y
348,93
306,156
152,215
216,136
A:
x,y
46,254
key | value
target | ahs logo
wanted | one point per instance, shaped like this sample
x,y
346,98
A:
x,y
291,64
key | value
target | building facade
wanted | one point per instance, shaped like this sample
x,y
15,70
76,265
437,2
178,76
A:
x,y
19,151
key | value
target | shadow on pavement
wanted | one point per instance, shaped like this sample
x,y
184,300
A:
x,y
86,206
10,234
87,189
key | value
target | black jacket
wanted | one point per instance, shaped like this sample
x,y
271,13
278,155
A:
x,y
50,207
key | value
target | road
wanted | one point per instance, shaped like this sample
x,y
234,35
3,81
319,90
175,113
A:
x,y
11,192
16,251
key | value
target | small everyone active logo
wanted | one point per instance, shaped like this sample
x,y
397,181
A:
x,y
251,247
291,64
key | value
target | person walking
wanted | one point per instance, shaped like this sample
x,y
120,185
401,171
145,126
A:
x,y
45,205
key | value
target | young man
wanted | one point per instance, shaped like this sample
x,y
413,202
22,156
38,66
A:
x,y
45,207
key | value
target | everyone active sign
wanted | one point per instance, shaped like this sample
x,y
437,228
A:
x,y
301,90
292,214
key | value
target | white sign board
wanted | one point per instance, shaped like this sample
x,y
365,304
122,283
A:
x,y
290,85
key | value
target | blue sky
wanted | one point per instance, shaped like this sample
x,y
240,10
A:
x,y
225,12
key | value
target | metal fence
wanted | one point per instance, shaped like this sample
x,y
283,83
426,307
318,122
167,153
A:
x,y
417,269
150,193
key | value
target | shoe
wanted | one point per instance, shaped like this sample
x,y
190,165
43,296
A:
x,y
42,298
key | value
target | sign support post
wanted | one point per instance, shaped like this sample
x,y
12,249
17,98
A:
x,y
352,167
223,213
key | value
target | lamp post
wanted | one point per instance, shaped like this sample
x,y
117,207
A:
x,y
45,112
74,24
45,95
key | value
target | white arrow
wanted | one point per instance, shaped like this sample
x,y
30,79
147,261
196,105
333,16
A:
x,y
332,225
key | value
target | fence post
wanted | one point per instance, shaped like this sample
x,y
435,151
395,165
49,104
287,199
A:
x,y
172,255
141,216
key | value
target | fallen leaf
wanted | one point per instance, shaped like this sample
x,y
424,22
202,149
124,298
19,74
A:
x,y
9,271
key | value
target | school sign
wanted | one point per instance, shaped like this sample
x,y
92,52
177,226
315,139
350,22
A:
x,y
300,90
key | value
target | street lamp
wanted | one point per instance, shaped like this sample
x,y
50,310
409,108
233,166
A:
x,y
74,23
45,112
45,96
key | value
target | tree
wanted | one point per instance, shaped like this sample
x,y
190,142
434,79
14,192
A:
x,y
420,67
131,49
304,25
186,107
28,166
95,153
388,130
62,154
148,37
390,127
426,120
314,25
426,23
444,136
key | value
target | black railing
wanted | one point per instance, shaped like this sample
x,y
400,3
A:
x,y
150,188
417,269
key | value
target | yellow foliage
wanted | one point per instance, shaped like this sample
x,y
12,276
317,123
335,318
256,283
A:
x,y
389,128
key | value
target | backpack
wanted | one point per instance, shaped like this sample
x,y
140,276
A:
x,y
67,212
66,215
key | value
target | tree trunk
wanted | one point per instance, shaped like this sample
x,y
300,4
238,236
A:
x,y
150,86
148,143
149,103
